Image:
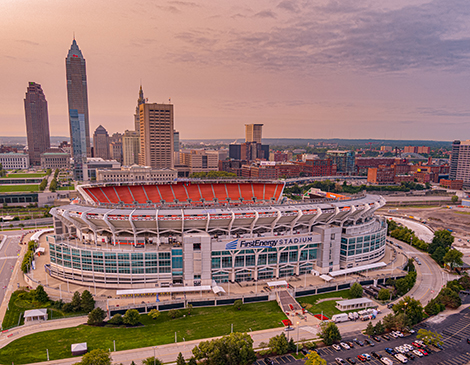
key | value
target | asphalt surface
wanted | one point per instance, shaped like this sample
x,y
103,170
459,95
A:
x,y
9,250
286,359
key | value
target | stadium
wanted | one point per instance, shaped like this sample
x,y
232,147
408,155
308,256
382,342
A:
x,y
198,233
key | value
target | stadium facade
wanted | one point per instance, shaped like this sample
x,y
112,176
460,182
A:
x,y
139,235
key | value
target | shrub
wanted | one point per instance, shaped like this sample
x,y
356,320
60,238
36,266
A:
x,y
131,317
174,313
116,319
238,304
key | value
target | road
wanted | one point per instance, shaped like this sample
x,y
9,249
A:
x,y
422,231
31,223
9,250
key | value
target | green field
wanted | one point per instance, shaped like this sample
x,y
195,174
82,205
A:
x,y
19,302
202,323
17,176
18,188
66,188
328,307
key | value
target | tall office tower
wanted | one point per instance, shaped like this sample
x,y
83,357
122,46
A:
x,y
176,144
460,162
115,147
79,146
454,160
101,143
37,123
156,135
253,132
78,95
140,101
130,148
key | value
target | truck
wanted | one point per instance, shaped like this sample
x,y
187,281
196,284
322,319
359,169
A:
x,y
353,316
343,317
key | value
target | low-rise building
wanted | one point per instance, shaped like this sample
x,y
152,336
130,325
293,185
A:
x,y
200,160
381,175
452,184
13,161
55,158
136,173
97,163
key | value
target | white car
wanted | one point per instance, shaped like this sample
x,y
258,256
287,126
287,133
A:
x,y
393,334
402,358
336,347
344,345
399,334
367,356
418,353
408,347
386,361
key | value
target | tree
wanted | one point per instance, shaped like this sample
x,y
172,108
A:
x,y
465,281
384,294
234,349
329,333
379,328
154,313
96,316
314,359
192,361
370,330
96,357
454,199
116,319
433,307
40,294
189,308
449,298
180,359
151,361
411,308
87,302
278,344
401,322
453,258
76,302
438,254
238,304
131,317
356,290
429,337
389,322
173,313
291,347
442,238
402,286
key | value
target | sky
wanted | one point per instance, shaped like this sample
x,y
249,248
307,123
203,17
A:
x,y
304,68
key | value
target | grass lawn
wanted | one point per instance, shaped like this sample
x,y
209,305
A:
x,y
202,323
16,176
328,307
66,188
14,188
21,302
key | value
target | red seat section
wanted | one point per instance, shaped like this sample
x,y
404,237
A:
x,y
98,198
269,190
166,193
152,193
180,192
278,192
139,194
207,192
259,191
220,192
193,192
124,194
111,194
233,191
247,192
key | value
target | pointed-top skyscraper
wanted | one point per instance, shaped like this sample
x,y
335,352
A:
x,y
140,101
78,109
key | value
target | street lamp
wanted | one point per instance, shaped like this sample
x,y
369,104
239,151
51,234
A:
x,y
297,337
154,356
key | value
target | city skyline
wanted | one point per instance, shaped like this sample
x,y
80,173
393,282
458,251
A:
x,y
346,70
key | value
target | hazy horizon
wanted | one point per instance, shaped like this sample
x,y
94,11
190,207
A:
x,y
311,69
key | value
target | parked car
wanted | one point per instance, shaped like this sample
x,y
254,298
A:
x,y
344,345
418,353
359,342
350,344
424,352
367,356
340,361
402,358
369,342
416,344
351,360
336,347
410,355
375,354
389,351
385,337
362,358
268,361
376,338
386,361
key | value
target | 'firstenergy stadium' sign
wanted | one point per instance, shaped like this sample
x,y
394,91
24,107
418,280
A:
x,y
268,242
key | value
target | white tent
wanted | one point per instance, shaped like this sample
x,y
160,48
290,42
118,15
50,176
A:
x,y
35,315
327,278
79,348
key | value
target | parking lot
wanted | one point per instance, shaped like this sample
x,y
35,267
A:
x,y
286,359
329,354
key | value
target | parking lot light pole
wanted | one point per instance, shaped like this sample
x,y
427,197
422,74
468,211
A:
x,y
154,356
297,338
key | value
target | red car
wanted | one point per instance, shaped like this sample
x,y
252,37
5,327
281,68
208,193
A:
x,y
424,352
416,344
362,358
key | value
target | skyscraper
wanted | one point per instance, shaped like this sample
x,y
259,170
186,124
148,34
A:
x,y
156,135
37,123
140,101
460,162
77,96
253,132
130,148
101,143
176,146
